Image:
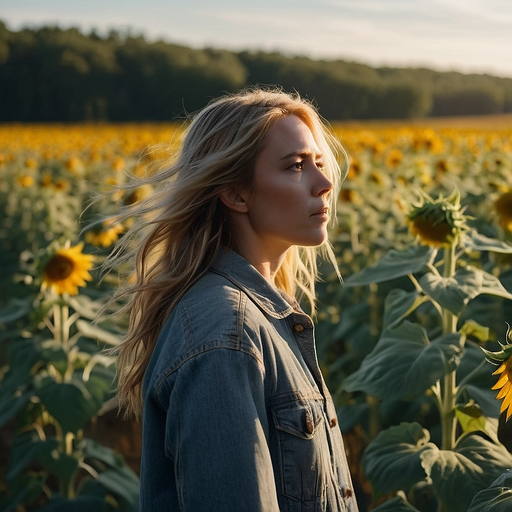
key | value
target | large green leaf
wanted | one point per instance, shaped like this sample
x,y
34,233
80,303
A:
x,y
94,450
392,461
404,363
10,405
478,242
472,419
71,404
400,303
122,482
493,286
15,309
28,448
458,475
392,265
452,293
496,498
397,504
56,461
24,450
475,380
25,489
23,356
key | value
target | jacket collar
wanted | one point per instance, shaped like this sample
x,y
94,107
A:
x,y
243,275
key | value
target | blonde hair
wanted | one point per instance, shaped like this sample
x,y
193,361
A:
x,y
179,230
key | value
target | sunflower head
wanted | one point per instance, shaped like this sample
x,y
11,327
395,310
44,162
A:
x,y
503,206
437,222
504,360
105,234
67,269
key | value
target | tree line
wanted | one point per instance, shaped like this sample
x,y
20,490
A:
x,y
54,74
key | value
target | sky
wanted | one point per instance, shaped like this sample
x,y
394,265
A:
x,y
470,36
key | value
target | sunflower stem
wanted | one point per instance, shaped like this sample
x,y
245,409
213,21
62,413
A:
x,y
449,384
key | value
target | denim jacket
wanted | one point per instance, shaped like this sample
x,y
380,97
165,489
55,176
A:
x,y
236,416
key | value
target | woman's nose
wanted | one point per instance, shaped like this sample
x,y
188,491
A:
x,y
323,185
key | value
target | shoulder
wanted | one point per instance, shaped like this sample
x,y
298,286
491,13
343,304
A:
x,y
213,313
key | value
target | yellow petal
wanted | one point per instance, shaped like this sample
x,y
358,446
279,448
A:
x,y
501,381
501,369
506,402
504,390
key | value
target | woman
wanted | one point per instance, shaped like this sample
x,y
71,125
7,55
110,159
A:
x,y
220,358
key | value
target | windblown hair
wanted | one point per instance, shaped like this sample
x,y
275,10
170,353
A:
x,y
179,230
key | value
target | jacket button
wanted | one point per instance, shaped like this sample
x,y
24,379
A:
x,y
334,422
298,327
310,427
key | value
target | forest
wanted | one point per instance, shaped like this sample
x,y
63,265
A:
x,y
52,74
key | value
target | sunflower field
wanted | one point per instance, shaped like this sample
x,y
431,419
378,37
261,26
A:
x,y
415,344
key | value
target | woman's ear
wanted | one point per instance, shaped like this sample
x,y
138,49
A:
x,y
233,199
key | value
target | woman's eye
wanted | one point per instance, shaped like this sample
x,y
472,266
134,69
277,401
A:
x,y
319,164
297,166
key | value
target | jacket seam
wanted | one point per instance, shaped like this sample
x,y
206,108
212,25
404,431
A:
x,y
198,352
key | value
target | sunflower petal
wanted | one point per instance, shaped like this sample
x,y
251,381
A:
x,y
501,381
504,390
501,369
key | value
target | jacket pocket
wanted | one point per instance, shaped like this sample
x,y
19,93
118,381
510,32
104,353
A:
x,y
302,447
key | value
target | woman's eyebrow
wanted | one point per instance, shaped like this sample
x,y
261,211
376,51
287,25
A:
x,y
302,153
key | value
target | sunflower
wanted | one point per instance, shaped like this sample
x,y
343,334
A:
x,y
67,269
138,194
394,158
504,383
106,235
25,181
503,206
438,222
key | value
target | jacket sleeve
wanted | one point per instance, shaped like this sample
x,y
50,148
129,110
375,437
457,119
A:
x,y
217,434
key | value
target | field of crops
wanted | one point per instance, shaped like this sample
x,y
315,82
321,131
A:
x,y
423,242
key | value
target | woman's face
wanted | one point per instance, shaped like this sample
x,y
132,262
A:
x,y
288,203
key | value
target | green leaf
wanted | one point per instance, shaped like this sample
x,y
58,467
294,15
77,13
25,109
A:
x,y
11,405
496,498
53,353
15,309
25,489
392,265
23,356
471,328
471,418
492,286
71,404
123,482
26,449
94,450
392,460
458,475
399,304
50,455
477,242
452,293
475,380
397,504
404,363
